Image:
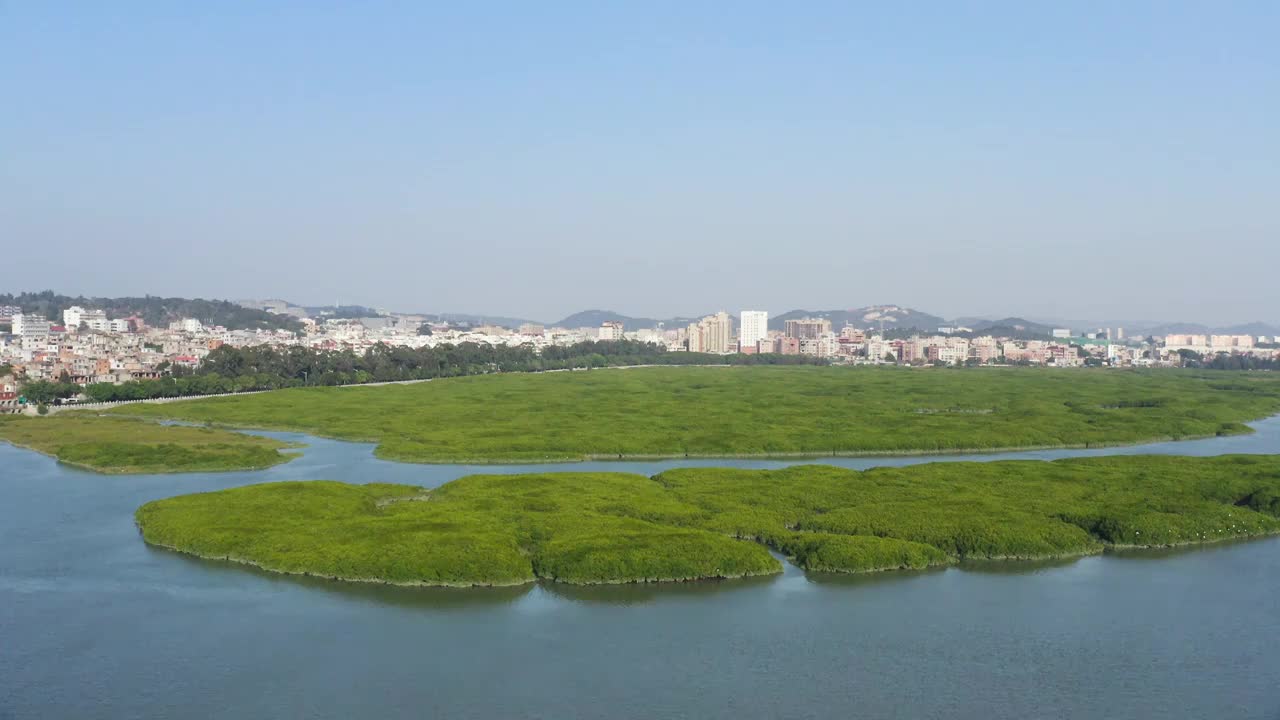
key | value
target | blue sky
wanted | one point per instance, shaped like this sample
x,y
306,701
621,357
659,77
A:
x,y
1070,160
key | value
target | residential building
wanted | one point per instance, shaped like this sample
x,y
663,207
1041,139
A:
x,y
31,326
853,334
610,330
1189,342
806,328
187,325
712,334
1230,342
753,326
95,320
72,316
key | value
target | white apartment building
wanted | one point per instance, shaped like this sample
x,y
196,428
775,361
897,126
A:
x,y
190,325
610,330
753,326
95,320
31,326
72,316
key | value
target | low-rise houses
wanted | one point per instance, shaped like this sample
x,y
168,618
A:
x,y
9,396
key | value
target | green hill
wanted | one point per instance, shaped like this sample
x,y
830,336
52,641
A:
x,y
155,311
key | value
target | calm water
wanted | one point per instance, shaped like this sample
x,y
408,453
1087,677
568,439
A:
x,y
94,624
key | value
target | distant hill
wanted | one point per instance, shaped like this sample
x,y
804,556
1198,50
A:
x,y
347,312
595,318
342,312
1253,328
893,317
1178,328
971,321
468,319
155,311
1019,325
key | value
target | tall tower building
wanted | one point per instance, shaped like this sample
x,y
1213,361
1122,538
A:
x,y
719,332
753,326
712,334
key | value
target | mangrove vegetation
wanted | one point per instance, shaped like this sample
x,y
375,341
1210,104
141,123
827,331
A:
x,y
752,411
686,524
125,445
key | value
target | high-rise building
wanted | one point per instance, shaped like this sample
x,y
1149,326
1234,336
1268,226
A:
x,y
807,328
719,328
753,326
712,334
693,337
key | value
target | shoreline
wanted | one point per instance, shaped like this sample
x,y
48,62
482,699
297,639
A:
x,y
443,584
287,457
953,562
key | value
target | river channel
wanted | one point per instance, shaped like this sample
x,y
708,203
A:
x,y
95,624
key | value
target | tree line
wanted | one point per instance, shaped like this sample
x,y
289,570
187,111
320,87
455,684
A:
x,y
1226,361
229,369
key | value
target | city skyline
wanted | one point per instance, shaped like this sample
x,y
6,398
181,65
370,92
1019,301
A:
x,y
1115,319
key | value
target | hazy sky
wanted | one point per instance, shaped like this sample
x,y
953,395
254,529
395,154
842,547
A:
x,y
1069,160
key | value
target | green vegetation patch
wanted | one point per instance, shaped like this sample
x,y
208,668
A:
x,y
124,445
751,411
480,530
719,523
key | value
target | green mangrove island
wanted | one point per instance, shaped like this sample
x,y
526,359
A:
x,y
752,411
688,524
123,445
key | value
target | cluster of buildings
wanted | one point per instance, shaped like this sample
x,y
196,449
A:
x,y
950,345
86,346
854,345
1213,344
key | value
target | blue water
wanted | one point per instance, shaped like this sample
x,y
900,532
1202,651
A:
x,y
95,624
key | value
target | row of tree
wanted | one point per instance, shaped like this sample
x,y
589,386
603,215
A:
x,y
230,369
1227,361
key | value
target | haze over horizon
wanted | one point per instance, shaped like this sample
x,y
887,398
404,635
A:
x,y
1072,163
